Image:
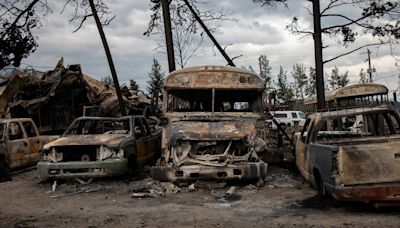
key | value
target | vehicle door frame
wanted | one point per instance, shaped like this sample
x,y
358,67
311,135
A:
x,y
17,149
34,142
145,145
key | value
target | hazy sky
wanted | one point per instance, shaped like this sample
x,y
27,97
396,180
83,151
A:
x,y
256,31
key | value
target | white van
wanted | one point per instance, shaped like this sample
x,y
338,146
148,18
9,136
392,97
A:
x,y
288,118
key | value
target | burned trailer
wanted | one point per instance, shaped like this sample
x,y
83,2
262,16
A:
x,y
209,125
352,154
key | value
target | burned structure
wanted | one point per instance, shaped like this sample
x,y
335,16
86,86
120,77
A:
x,y
351,152
210,119
53,99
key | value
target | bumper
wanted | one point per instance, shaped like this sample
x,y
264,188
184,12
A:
x,y
369,194
109,167
248,171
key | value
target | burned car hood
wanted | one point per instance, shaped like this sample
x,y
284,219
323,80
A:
x,y
110,140
220,130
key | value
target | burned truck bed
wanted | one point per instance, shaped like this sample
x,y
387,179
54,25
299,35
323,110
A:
x,y
352,154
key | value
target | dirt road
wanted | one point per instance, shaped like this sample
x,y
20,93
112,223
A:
x,y
283,201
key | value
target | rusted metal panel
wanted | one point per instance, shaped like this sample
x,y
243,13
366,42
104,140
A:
x,y
222,130
369,194
367,163
213,77
20,144
245,171
356,90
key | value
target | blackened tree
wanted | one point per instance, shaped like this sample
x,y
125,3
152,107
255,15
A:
x,y
310,87
133,85
187,36
18,18
377,18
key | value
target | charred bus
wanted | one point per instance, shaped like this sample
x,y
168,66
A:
x,y
210,119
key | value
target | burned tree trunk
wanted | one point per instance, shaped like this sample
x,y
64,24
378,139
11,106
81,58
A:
x,y
109,58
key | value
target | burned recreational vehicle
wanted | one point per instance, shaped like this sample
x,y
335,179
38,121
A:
x,y
352,152
210,119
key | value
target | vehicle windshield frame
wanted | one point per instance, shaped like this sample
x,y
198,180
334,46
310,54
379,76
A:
x,y
68,131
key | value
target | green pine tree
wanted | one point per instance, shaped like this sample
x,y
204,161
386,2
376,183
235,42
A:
x,y
284,89
154,84
265,70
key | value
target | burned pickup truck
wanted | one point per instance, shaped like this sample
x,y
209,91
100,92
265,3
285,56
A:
x,y
353,153
20,144
210,119
99,147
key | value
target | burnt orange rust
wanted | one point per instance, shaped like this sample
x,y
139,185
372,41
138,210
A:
x,y
24,151
212,136
105,151
367,194
355,164
213,76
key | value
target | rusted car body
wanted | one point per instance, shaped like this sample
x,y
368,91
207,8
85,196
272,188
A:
x,y
211,114
20,143
99,147
352,154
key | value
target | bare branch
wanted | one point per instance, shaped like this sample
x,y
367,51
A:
x,y
354,50
236,57
351,21
22,13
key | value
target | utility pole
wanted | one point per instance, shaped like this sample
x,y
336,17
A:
x,y
109,58
369,66
168,34
215,42
319,66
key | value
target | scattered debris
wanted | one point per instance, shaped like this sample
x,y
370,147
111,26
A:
x,y
209,185
250,187
81,181
82,190
191,188
225,198
230,195
155,189
54,186
282,181
260,183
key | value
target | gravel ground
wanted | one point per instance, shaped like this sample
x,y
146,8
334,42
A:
x,y
283,200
